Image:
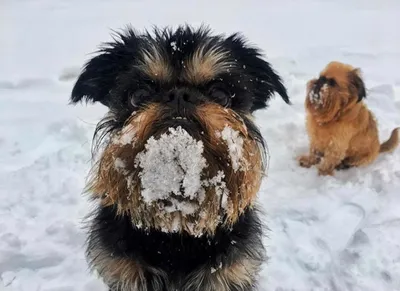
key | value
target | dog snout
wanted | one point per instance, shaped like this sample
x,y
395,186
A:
x,y
318,85
315,91
180,98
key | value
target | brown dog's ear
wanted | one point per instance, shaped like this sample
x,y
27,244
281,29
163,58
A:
x,y
356,80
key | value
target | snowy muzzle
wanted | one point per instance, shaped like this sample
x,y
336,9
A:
x,y
318,91
188,173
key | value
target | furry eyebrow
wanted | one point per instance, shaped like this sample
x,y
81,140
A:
x,y
206,63
154,64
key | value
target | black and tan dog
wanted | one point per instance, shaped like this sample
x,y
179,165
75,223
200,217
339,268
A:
x,y
181,160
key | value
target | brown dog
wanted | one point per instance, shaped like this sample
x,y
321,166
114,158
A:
x,y
342,131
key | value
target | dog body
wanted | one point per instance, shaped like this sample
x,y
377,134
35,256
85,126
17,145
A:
x,y
343,133
128,258
181,160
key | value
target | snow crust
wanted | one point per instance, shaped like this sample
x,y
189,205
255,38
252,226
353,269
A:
x,y
172,164
235,146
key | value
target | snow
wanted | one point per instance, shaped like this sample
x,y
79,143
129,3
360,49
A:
x,y
120,166
315,98
173,164
235,146
170,164
174,46
325,233
220,188
127,136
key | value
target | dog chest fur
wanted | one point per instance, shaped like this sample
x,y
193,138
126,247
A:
x,y
153,260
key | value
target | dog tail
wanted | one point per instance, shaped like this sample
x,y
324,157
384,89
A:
x,y
392,142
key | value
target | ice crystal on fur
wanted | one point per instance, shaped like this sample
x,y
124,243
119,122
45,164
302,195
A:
x,y
127,136
220,187
186,207
314,97
235,145
172,164
119,165
174,46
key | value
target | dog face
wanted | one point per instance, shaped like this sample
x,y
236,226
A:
x,y
338,88
180,150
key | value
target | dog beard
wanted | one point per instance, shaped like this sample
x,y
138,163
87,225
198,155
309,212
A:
x,y
188,173
324,102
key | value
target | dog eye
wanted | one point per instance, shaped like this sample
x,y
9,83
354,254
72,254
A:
x,y
332,82
220,96
139,96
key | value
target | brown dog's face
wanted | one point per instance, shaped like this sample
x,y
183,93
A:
x,y
338,88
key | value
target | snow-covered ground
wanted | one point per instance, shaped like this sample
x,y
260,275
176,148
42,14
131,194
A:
x,y
326,233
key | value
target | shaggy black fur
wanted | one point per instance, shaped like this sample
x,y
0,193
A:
x,y
114,78
176,254
111,77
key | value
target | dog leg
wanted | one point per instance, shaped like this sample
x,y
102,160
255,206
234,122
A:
x,y
360,160
331,160
306,161
344,165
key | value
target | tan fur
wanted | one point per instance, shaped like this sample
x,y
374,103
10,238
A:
x,y
205,64
244,183
240,274
342,131
126,274
155,65
122,187
391,143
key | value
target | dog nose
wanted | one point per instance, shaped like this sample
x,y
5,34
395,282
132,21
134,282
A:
x,y
180,97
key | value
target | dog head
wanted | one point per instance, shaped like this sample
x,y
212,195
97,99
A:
x,y
338,89
181,152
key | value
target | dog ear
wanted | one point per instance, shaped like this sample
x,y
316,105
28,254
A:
x,y
269,82
265,79
358,83
100,74
95,81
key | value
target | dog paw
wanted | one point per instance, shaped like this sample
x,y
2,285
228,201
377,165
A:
x,y
304,161
325,172
343,166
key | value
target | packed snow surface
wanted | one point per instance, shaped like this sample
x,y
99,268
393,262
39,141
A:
x,y
325,233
